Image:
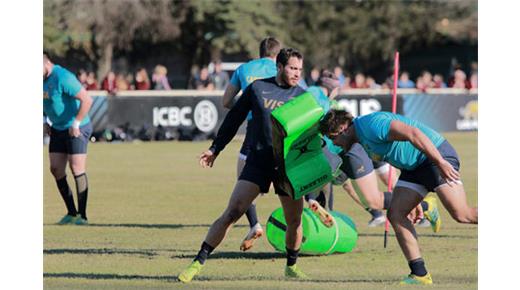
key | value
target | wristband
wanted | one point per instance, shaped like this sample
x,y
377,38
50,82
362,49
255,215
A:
x,y
76,124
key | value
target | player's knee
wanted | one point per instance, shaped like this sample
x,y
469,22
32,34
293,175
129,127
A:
x,y
77,169
232,215
374,203
395,215
57,172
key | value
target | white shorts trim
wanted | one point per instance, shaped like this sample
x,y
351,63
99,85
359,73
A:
x,y
441,185
383,169
420,189
242,156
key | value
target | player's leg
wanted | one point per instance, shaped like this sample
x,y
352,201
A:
x,y
404,200
358,167
243,194
292,210
78,164
454,200
255,229
58,164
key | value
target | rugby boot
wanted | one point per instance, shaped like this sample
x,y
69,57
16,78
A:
x,y
80,221
294,272
67,219
433,214
193,269
417,280
324,216
254,233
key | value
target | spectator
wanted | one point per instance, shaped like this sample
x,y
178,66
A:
x,y
420,84
220,77
109,83
130,81
313,77
359,82
82,77
426,81
473,81
92,83
204,81
141,81
371,83
121,83
405,82
159,78
338,71
194,74
438,81
460,80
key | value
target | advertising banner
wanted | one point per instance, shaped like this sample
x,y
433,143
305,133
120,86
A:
x,y
443,112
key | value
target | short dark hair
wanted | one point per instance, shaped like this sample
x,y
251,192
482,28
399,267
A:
x,y
286,53
46,55
269,47
332,121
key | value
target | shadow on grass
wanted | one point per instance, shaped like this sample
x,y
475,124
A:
x,y
99,276
436,236
151,226
178,254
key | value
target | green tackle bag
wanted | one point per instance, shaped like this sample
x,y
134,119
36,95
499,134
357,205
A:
x,y
317,238
297,146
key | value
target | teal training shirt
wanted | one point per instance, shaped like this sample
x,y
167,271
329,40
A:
x,y
325,103
373,132
251,71
59,102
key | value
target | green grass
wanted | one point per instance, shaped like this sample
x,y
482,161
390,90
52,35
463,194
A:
x,y
150,206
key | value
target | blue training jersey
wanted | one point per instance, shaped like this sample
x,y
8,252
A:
x,y
59,102
373,131
251,71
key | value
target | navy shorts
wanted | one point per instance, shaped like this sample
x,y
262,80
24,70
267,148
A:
x,y
260,170
356,162
62,142
426,177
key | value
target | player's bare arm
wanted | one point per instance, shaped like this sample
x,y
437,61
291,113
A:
x,y
84,107
399,131
229,94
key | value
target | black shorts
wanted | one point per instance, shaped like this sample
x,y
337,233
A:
x,y
378,164
260,170
62,142
426,177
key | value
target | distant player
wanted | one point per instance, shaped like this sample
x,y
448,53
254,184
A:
x,y
66,105
261,98
264,67
427,163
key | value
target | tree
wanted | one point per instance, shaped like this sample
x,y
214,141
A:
x,y
100,27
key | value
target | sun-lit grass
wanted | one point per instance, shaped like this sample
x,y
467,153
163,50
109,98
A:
x,y
150,206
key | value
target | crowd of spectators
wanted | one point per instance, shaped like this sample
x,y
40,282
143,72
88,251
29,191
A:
x,y
213,77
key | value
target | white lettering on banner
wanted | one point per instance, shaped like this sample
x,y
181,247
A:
x,y
366,106
369,106
171,116
205,116
349,105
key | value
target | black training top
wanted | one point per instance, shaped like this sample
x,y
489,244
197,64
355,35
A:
x,y
261,97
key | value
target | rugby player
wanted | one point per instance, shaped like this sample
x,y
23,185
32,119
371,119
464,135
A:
x,y
245,74
261,98
66,104
427,161
356,166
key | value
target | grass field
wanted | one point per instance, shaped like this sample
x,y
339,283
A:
x,y
150,206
